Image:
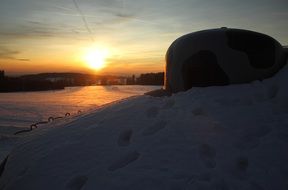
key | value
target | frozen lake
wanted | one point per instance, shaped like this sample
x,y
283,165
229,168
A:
x,y
23,109
19,110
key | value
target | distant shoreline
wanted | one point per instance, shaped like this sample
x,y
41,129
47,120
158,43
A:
x,y
20,91
58,81
60,89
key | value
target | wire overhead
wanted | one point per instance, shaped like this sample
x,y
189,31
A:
x,y
84,20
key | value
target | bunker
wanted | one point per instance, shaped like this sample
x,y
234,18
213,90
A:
x,y
221,56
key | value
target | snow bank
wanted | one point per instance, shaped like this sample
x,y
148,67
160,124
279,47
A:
x,y
230,137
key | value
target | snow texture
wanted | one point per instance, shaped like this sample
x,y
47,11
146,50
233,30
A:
x,y
228,137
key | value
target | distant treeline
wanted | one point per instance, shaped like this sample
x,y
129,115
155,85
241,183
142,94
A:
x,y
151,79
12,84
57,81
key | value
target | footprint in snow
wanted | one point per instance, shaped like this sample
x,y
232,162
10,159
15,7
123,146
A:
x,y
242,164
240,168
152,112
169,104
247,142
77,182
125,138
199,184
198,112
154,128
272,91
255,186
220,184
206,177
207,155
259,131
124,161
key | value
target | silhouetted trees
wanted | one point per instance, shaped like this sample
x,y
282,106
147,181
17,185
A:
x,y
131,80
55,81
16,84
151,79
2,74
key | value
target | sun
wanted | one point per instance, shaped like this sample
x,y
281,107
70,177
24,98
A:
x,y
95,58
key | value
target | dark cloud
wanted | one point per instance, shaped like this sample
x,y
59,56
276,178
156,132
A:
x,y
23,59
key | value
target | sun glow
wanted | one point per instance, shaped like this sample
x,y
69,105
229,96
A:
x,y
95,58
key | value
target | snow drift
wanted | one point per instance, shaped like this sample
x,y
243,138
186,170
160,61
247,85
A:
x,y
229,137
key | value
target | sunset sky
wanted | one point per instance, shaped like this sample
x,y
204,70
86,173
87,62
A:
x,y
56,35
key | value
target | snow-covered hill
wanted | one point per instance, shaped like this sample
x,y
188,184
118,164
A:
x,y
229,137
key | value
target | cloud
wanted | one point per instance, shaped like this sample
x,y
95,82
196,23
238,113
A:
x,y
50,20
23,59
33,29
6,53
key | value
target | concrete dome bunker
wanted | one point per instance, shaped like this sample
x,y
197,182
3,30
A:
x,y
220,57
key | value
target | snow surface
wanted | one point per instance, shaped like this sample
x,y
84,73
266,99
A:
x,y
21,109
229,137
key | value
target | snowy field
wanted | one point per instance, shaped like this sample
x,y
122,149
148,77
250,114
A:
x,y
229,137
24,108
19,110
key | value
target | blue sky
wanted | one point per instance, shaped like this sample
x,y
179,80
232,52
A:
x,y
42,35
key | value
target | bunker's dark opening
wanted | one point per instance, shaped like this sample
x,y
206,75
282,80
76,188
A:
x,y
202,70
259,48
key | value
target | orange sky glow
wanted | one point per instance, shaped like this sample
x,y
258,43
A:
x,y
57,35
72,57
